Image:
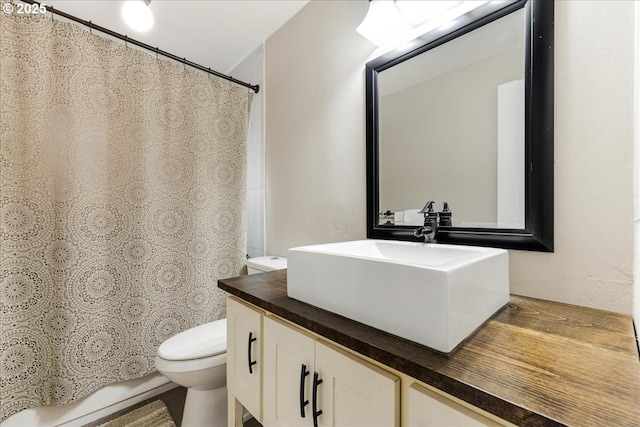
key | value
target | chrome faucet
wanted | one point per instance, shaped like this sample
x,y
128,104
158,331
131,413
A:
x,y
430,228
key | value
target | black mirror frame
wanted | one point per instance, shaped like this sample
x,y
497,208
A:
x,y
539,125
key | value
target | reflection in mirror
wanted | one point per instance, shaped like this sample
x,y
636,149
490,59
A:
x,y
464,115
458,109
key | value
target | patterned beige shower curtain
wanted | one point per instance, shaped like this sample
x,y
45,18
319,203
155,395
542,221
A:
x,y
122,201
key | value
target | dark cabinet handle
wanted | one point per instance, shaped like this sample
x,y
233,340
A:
x,y
303,375
316,413
251,339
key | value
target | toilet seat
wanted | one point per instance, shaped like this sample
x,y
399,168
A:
x,y
199,342
184,366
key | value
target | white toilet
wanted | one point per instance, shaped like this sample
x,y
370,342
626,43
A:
x,y
266,263
197,359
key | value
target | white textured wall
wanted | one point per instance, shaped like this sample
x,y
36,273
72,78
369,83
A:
x,y
314,112
315,146
592,263
636,270
251,70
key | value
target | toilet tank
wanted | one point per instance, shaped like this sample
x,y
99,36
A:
x,y
265,263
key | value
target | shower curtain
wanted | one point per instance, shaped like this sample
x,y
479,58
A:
x,y
122,201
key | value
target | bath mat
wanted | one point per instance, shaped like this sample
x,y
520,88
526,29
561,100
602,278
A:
x,y
155,414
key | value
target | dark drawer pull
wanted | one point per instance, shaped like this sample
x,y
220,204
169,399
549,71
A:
x,y
251,340
303,376
316,413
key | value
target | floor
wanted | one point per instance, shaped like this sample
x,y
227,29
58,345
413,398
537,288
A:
x,y
252,423
174,399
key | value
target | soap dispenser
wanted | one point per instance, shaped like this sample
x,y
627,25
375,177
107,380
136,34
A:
x,y
445,216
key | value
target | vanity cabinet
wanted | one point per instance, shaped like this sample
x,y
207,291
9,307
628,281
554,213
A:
x,y
244,365
287,376
430,409
309,382
585,361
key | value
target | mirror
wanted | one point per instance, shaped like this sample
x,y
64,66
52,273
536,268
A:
x,y
459,110
464,115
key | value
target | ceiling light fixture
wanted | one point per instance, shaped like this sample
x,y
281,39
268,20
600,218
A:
x,y
137,14
383,22
387,20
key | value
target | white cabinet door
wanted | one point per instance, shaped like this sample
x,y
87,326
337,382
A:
x,y
352,392
288,370
307,383
244,341
430,409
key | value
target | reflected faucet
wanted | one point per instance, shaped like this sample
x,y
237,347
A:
x,y
430,227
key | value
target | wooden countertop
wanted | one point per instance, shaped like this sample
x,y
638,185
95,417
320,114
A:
x,y
536,363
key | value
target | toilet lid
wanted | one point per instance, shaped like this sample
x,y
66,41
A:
x,y
205,340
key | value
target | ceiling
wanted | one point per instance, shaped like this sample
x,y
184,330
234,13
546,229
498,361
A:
x,y
213,33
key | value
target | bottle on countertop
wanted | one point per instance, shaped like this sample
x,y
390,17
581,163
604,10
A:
x,y
445,216
386,218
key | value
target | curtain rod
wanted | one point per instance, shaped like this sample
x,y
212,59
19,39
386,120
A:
x,y
157,51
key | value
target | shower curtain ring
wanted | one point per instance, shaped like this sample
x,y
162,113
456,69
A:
x,y
157,52
125,41
90,27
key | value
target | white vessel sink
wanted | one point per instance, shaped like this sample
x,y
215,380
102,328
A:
x,y
436,295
